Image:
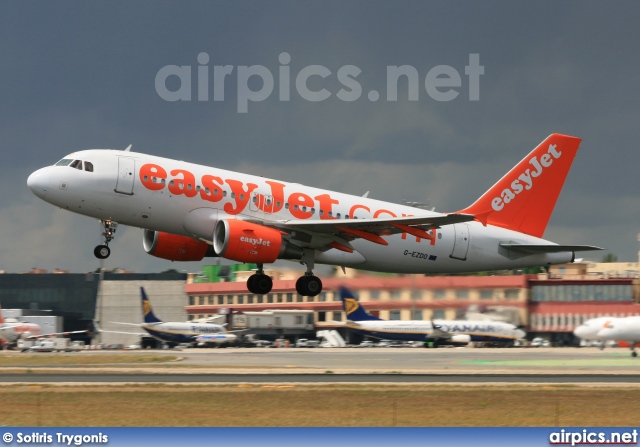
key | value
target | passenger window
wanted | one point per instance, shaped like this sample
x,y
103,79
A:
x,y
76,164
88,166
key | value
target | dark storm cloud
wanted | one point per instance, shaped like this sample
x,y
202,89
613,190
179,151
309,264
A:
x,y
77,75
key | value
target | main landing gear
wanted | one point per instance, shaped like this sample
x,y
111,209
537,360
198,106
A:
x,y
259,283
103,251
307,285
633,350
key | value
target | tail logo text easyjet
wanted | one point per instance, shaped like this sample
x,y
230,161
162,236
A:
x,y
525,180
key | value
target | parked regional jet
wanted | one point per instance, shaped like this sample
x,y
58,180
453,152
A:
x,y
174,332
590,328
625,329
438,331
191,211
12,330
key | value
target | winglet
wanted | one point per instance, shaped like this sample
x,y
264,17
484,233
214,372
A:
x,y
147,311
524,198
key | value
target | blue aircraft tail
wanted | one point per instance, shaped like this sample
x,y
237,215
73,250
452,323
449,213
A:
x,y
147,311
352,308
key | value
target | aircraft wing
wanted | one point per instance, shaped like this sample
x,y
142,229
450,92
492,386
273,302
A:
x,y
344,230
53,334
99,329
438,334
125,333
342,323
125,324
531,249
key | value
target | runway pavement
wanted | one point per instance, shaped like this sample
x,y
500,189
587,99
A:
x,y
351,365
420,360
308,379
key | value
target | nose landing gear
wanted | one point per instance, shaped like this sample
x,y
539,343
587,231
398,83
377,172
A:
x,y
103,251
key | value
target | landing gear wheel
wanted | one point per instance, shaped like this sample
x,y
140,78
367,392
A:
x,y
109,228
259,284
634,354
102,251
250,282
308,285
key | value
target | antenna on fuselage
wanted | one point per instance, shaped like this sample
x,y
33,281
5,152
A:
x,y
128,148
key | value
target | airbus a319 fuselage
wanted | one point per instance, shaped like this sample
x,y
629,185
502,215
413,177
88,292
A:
x,y
190,211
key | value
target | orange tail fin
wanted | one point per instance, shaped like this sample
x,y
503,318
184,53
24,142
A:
x,y
524,198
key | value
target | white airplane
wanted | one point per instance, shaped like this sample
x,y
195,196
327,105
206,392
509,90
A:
x,y
437,331
625,329
190,211
175,332
590,328
12,330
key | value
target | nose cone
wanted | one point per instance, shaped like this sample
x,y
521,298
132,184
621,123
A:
x,y
587,331
520,333
580,331
39,182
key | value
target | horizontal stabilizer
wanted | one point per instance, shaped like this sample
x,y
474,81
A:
x,y
532,249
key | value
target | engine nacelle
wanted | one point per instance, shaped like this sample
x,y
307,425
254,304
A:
x,y
248,242
460,339
173,247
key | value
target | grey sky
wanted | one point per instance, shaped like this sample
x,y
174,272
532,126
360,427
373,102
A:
x,y
77,75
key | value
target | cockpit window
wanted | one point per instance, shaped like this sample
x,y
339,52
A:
x,y
76,164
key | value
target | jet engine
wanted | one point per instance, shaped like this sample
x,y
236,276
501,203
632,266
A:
x,y
248,242
460,339
174,247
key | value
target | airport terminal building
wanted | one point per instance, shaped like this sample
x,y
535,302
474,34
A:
x,y
84,299
548,305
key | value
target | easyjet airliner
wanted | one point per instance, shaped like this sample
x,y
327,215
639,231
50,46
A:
x,y
190,211
12,330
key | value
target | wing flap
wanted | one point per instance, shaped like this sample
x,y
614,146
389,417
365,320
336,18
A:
x,y
380,227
